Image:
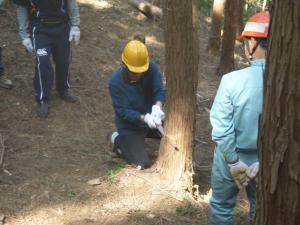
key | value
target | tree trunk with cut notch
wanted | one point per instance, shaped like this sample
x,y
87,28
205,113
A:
x,y
182,58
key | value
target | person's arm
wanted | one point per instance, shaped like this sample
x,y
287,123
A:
x,y
73,13
23,20
75,21
222,121
122,106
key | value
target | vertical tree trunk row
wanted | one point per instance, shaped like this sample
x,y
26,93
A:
x,y
182,49
279,180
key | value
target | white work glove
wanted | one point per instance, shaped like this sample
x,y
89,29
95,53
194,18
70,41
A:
x,y
28,44
149,120
74,34
254,168
157,114
239,172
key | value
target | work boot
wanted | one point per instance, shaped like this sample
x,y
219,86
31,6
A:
x,y
113,151
42,109
67,97
6,83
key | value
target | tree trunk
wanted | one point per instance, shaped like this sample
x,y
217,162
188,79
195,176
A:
x,y
182,57
240,23
264,5
279,178
228,42
213,46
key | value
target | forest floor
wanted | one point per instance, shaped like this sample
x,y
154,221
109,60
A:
x,y
48,162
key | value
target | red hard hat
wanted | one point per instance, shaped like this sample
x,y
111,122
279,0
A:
x,y
257,26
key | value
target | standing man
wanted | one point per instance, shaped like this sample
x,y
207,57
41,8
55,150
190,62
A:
x,y
47,28
235,120
4,82
137,94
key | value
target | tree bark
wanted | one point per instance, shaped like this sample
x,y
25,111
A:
x,y
214,41
228,42
279,178
240,23
182,57
264,5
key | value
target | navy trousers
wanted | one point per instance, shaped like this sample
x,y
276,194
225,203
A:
x,y
51,40
132,147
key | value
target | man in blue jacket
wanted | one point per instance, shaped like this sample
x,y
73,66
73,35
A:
x,y
235,120
137,93
47,28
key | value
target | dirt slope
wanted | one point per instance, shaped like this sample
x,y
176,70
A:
x,y
49,161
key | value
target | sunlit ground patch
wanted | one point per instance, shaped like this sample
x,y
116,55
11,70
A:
x,y
97,4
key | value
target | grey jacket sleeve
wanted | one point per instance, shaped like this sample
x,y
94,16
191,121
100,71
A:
x,y
23,19
73,12
2,3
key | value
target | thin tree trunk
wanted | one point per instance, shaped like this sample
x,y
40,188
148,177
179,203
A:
x,y
240,24
214,41
2,150
228,42
279,178
182,53
264,5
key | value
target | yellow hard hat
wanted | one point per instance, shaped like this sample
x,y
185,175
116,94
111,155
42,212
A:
x,y
135,57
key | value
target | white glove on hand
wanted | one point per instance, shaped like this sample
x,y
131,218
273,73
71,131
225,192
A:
x,y
157,114
149,120
239,172
74,34
28,44
254,168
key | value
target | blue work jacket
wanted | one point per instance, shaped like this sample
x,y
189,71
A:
x,y
235,113
133,99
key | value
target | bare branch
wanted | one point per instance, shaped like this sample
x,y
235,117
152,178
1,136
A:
x,y
2,149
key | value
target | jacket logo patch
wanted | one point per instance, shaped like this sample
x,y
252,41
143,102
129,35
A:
x,y
41,52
